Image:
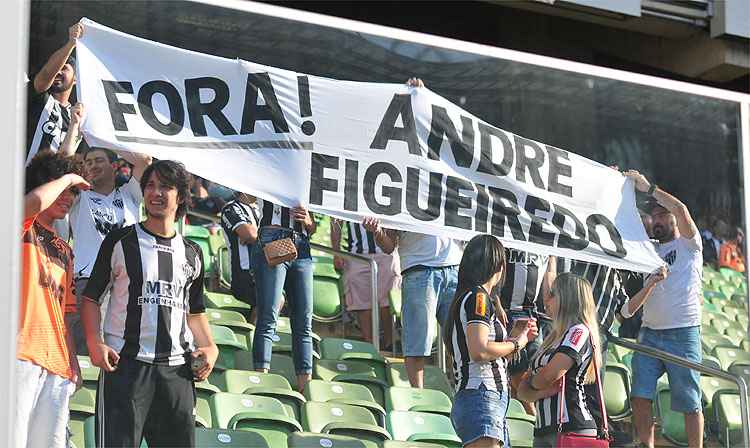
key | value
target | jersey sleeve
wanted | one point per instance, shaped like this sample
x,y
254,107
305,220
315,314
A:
x,y
478,308
27,223
575,343
132,188
101,274
695,243
234,215
196,303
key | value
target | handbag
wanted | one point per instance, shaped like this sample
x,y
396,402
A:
x,y
573,440
280,251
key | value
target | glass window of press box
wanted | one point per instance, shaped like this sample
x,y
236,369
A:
x,y
687,143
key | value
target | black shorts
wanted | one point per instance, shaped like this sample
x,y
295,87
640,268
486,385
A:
x,y
243,287
141,400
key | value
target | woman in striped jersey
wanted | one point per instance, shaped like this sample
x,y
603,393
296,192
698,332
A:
x,y
567,354
478,343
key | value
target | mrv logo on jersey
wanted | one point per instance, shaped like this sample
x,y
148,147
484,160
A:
x,y
163,293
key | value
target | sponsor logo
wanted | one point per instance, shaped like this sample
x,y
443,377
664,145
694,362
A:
x,y
575,337
671,257
480,308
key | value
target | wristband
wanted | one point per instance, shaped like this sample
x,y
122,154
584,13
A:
x,y
651,190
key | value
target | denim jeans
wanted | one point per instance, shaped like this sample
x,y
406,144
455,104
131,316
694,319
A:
x,y
478,413
426,292
269,283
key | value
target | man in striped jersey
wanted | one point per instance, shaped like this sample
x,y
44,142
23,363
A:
x,y
155,328
528,277
358,281
239,220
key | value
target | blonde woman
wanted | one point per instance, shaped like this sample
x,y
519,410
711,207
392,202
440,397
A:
x,y
567,354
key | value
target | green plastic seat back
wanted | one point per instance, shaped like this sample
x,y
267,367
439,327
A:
x,y
224,263
711,341
727,409
711,361
225,405
237,381
421,426
424,400
394,300
203,415
324,391
208,265
77,428
329,369
317,415
616,387
672,423
728,356
225,301
222,438
338,348
317,440
521,433
412,444
89,372
326,298
83,401
735,334
280,364
434,378
214,314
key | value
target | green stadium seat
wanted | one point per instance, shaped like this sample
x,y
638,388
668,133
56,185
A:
x,y
216,241
203,417
77,430
224,438
343,419
627,361
326,299
711,361
422,427
742,370
317,440
89,372
711,306
709,295
225,301
224,315
721,324
742,319
262,415
736,335
710,386
346,393
728,289
728,356
83,401
201,236
727,409
224,266
711,341
518,412
521,432
228,344
349,349
265,384
325,269
418,400
351,371
620,351
707,329
616,386
280,364
434,378
612,357
672,423
402,444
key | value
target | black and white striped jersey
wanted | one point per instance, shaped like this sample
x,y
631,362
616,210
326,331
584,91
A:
x,y
271,214
575,414
359,240
476,307
607,286
233,215
154,283
47,122
523,279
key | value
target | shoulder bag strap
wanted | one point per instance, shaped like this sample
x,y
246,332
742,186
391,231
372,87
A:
x,y
602,408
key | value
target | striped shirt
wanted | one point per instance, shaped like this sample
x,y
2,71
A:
x,y
575,413
233,215
47,122
154,282
607,286
277,215
525,272
359,240
476,307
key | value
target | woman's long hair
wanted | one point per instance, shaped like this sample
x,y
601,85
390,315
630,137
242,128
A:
x,y
576,306
484,256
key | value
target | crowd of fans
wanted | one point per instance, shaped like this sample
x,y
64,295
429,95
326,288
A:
x,y
130,295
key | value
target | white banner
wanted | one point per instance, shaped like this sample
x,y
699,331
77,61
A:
x,y
354,149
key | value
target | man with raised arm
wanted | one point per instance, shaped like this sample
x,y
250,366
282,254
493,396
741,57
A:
x,y
671,317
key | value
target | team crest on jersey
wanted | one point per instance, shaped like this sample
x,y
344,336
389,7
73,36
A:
x,y
480,309
118,203
671,257
575,337
187,270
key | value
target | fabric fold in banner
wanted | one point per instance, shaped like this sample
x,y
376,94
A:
x,y
354,149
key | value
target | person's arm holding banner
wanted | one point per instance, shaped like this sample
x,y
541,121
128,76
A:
x,y
46,76
386,239
300,214
338,262
631,306
685,222
73,137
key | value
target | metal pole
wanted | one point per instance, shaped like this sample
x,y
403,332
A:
x,y
682,362
374,279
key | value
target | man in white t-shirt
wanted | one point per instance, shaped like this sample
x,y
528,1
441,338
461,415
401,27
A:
x,y
98,211
429,277
671,318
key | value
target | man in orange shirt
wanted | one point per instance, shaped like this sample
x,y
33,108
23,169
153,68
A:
x,y
47,371
730,254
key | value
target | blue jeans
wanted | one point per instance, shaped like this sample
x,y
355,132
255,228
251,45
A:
x,y
269,283
478,413
684,383
426,292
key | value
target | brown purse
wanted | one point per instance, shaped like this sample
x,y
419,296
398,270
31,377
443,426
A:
x,y
280,251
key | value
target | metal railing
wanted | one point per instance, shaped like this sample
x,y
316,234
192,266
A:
x,y
682,362
374,285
